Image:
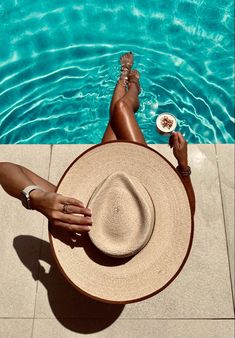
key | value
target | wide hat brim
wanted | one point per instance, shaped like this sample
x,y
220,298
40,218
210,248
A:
x,y
148,272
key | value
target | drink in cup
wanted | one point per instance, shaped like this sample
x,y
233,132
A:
x,y
166,123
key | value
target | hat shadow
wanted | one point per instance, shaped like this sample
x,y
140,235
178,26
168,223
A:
x,y
84,241
72,309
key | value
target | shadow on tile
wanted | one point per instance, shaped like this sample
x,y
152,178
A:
x,y
66,302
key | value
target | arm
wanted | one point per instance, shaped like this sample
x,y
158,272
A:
x,y
14,178
189,188
179,145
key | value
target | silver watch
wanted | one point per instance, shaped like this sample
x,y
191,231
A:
x,y
25,195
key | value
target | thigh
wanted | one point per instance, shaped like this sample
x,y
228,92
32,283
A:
x,y
124,124
109,135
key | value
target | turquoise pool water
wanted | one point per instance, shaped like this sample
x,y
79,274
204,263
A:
x,y
59,64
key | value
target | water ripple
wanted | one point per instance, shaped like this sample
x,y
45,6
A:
x,y
59,65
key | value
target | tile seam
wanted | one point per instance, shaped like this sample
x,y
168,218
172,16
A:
x,y
135,318
225,228
49,166
40,249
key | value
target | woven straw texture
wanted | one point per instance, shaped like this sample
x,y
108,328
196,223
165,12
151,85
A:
x,y
123,216
155,266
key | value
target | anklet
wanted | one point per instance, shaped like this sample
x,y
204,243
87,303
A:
x,y
123,81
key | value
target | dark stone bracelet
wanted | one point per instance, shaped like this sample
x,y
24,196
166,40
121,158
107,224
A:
x,y
184,172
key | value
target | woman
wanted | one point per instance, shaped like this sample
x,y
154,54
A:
x,y
63,211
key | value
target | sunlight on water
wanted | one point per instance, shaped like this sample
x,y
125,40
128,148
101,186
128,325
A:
x,y
60,62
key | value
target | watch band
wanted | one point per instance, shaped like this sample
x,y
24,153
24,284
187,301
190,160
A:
x,y
25,195
184,173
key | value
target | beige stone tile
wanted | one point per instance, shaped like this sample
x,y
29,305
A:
x,y
51,328
20,233
15,328
58,298
225,154
202,289
62,157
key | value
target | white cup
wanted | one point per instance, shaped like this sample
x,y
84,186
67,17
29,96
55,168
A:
x,y
166,123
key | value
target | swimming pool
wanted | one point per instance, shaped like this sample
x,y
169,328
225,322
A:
x,y
59,64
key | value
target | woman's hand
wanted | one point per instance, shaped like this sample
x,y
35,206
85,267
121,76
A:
x,y
179,145
77,217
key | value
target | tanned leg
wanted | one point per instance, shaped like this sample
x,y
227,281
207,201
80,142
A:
x,y
123,120
124,104
120,90
132,95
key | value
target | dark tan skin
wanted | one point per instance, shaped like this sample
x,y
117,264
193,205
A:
x,y
122,125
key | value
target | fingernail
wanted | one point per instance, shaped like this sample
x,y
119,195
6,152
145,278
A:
x,y
89,210
82,204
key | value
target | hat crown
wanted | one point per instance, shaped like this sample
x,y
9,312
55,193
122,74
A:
x,y
123,215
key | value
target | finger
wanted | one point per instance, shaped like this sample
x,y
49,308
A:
x,y
175,140
71,209
181,138
71,200
171,141
72,227
74,219
73,237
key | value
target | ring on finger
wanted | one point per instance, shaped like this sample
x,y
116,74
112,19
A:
x,y
65,208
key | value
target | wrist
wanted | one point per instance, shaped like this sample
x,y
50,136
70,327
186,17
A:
x,y
183,165
184,171
35,198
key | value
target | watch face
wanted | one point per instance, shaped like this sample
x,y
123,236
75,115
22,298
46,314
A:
x,y
24,200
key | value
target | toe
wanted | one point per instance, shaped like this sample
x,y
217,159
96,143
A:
x,y
127,58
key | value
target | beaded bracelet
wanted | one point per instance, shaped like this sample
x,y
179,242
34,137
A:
x,y
184,172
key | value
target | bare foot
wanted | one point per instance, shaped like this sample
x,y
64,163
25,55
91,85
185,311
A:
x,y
126,61
133,78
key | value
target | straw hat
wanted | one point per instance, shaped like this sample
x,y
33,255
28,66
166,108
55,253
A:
x,y
142,224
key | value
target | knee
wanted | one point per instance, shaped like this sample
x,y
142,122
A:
x,y
126,107
120,107
120,113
